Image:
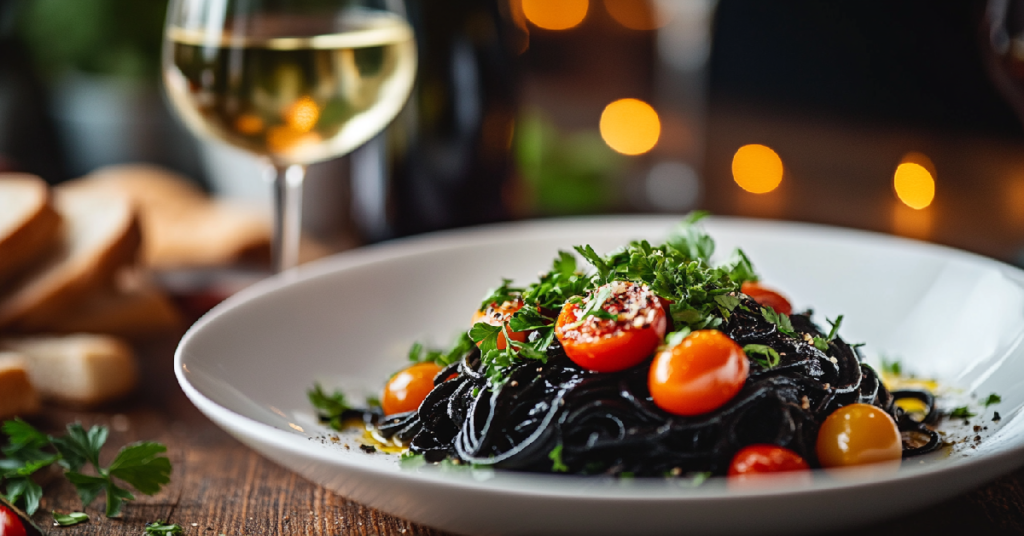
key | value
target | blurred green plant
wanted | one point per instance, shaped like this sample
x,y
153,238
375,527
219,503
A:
x,y
106,37
568,173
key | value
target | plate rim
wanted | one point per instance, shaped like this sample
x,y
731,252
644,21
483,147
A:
x,y
563,486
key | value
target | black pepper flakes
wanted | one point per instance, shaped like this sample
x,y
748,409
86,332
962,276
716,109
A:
x,y
369,449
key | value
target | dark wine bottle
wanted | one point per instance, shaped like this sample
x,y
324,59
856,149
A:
x,y
445,160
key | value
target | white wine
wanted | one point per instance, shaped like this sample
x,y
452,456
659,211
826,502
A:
x,y
296,97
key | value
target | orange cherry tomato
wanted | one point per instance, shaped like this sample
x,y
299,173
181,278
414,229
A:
x,y
766,296
859,434
699,374
406,390
757,460
10,525
609,345
499,315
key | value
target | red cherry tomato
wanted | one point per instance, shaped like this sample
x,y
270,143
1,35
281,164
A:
x,y
860,434
10,525
765,459
766,296
499,315
406,390
609,345
699,374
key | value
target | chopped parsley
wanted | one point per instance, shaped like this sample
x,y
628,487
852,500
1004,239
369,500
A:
x,y
66,520
766,356
678,271
158,527
331,407
557,465
992,399
962,412
27,450
781,320
893,368
822,343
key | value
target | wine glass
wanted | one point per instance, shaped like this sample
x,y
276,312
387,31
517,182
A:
x,y
293,82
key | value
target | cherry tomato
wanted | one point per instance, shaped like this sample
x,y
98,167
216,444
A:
x,y
498,315
10,525
766,296
406,390
757,460
699,374
859,434
609,345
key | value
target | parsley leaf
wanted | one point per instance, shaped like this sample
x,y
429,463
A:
x,y
71,518
503,293
158,527
962,412
140,465
330,407
588,253
893,367
766,356
992,399
781,320
557,465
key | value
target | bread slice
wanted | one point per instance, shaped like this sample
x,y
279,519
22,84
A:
x,y
183,227
101,234
29,226
135,309
18,398
81,369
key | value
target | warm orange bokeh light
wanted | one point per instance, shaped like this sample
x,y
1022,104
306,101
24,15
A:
x,y
630,126
302,115
914,185
636,14
555,14
757,168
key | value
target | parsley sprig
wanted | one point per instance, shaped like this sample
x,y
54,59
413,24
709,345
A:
x,y
679,271
27,450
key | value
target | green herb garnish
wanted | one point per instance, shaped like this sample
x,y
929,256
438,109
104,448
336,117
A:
x,y
992,399
330,407
962,412
72,518
781,320
139,464
158,528
766,356
557,466
893,367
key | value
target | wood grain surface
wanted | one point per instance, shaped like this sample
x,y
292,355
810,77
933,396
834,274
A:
x,y
221,487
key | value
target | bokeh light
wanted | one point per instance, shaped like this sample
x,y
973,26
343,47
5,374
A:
x,y
914,185
630,126
757,168
555,14
636,14
302,115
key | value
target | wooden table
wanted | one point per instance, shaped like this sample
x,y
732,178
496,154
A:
x,y
219,486
835,174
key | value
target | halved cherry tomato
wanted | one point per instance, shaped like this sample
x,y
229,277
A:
x,y
406,390
766,296
608,345
860,434
764,459
699,374
499,315
10,525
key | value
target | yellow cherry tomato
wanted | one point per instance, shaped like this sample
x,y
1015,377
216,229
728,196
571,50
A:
x,y
406,390
860,434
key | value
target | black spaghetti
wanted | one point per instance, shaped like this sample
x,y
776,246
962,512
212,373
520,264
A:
x,y
508,396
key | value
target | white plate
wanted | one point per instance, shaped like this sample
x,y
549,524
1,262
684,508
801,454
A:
x,y
349,320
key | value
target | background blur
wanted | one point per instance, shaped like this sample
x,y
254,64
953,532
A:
x,y
896,117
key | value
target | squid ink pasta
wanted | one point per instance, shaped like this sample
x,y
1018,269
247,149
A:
x,y
652,362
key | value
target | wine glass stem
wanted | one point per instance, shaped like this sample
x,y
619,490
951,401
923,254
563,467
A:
x,y
287,215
